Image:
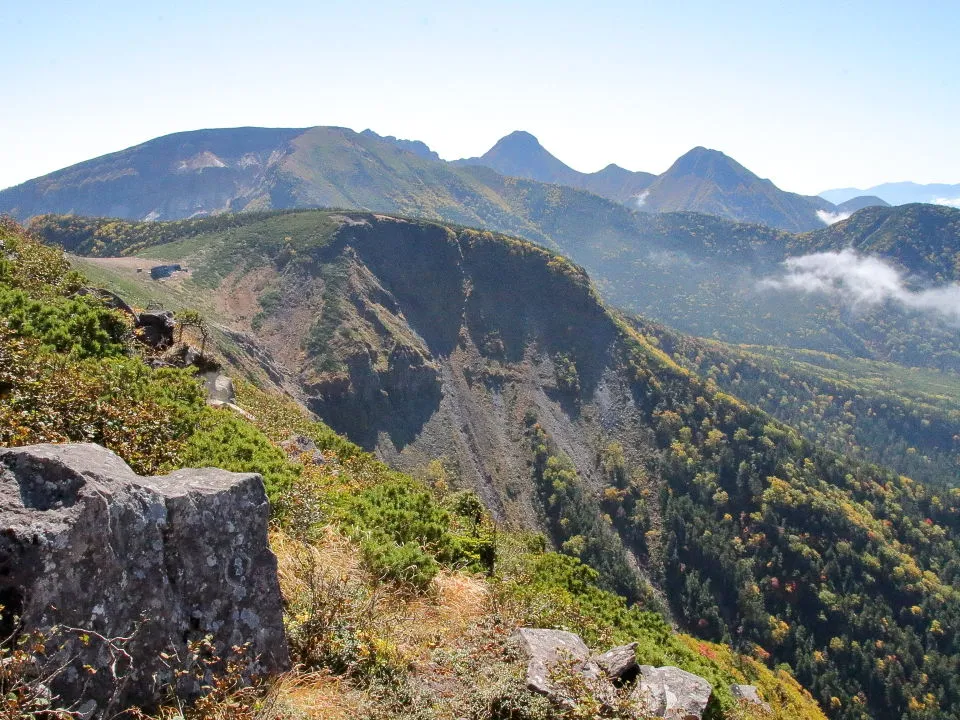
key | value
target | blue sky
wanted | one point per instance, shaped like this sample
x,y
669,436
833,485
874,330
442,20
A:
x,y
810,94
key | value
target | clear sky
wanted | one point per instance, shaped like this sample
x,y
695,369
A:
x,y
813,95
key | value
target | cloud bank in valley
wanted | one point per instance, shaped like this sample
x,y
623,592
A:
x,y
642,198
862,280
829,218
949,202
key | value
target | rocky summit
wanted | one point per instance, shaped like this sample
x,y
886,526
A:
x,y
125,572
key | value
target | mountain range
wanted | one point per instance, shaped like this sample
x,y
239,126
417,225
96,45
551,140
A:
x,y
699,273
240,169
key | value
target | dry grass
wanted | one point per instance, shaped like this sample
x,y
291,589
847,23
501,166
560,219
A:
x,y
318,696
404,629
416,624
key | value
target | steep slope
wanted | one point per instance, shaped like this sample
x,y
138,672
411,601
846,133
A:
x,y
424,341
901,193
708,181
700,274
905,418
521,155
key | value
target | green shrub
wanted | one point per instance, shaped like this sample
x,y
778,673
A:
x,y
406,534
223,439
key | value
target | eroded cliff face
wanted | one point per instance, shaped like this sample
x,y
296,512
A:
x,y
422,342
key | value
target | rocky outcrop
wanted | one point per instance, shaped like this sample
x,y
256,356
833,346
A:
x,y
125,571
671,693
666,692
156,328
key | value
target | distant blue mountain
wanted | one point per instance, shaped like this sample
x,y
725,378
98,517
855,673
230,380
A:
x,y
901,193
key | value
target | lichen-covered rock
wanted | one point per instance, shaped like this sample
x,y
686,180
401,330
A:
x,y
547,652
619,663
671,693
130,569
749,695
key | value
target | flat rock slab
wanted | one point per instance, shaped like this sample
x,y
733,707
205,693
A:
x,y
671,693
155,562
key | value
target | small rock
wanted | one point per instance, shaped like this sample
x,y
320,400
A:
x,y
671,693
219,387
748,695
620,663
299,446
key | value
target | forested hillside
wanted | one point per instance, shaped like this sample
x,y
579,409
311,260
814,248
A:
x,y
498,359
907,419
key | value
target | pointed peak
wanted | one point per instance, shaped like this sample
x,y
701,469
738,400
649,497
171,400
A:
x,y
701,161
701,152
519,139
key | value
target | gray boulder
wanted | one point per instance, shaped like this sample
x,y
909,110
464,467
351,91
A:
x,y
620,663
125,571
671,693
748,695
547,651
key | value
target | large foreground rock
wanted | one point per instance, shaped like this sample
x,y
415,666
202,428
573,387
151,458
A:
x,y
671,693
152,563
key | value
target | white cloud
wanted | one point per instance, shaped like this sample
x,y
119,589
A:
x,y
829,218
862,280
955,202
642,198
